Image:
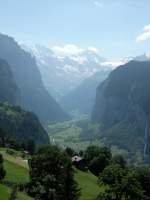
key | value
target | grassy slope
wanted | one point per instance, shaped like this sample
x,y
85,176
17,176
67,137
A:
x,y
88,184
16,168
17,173
5,191
15,158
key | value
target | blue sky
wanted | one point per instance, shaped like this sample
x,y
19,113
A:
x,y
118,28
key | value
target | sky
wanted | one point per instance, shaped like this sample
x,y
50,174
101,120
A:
x,y
117,28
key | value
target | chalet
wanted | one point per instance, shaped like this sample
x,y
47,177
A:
x,y
79,162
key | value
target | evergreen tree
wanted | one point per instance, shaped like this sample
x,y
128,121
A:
x,y
52,175
13,194
30,146
98,163
2,171
121,183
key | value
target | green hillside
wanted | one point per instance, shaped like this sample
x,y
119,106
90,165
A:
x,y
16,172
16,168
88,184
5,191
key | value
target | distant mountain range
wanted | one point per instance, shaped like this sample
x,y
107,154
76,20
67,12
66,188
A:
x,y
63,72
82,98
71,74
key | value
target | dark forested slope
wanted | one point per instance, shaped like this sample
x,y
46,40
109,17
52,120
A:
x,y
22,125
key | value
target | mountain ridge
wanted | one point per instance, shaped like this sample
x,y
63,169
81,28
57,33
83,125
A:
x,y
33,95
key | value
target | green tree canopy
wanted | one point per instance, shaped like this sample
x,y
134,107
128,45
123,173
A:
x,y
2,171
52,175
121,183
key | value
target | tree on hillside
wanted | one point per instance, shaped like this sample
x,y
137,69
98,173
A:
x,y
98,163
119,159
143,176
2,171
91,152
70,152
30,146
120,183
52,175
13,194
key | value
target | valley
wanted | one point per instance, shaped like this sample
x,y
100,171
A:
x,y
75,100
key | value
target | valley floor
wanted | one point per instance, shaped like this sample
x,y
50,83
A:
x,y
88,184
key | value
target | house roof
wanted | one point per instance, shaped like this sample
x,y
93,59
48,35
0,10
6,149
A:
x,y
76,158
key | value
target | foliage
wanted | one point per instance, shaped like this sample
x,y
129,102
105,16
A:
x,y
121,183
17,123
97,158
119,159
70,152
25,146
13,194
52,175
143,176
91,152
30,146
2,170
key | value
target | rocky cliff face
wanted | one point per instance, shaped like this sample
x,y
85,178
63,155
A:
x,y
33,95
122,107
9,91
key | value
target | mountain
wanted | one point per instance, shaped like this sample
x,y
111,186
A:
x,y
63,69
33,95
9,90
21,124
144,57
122,107
82,98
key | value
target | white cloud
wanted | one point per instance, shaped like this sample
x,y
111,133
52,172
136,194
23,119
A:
x,y
145,35
98,4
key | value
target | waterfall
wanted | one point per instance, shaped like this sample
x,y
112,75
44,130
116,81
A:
x,y
146,138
